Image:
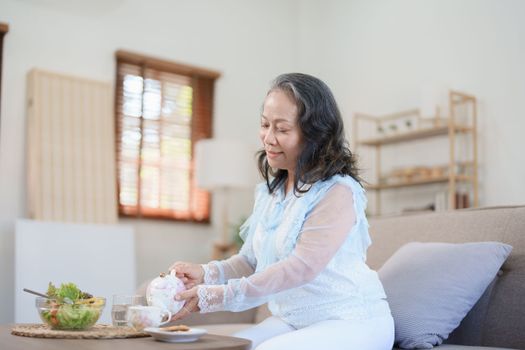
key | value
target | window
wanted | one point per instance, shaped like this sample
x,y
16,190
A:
x,y
162,109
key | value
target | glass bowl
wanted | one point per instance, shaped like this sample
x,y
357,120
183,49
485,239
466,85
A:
x,y
80,315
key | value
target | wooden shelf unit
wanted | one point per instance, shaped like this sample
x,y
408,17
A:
x,y
414,135
440,126
418,182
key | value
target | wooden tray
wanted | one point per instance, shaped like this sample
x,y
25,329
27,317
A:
x,y
99,331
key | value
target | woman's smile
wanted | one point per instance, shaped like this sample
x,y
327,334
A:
x,y
273,155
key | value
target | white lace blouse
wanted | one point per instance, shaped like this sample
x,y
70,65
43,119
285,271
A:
x,y
304,255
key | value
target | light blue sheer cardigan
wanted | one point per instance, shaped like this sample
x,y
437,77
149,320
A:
x,y
345,289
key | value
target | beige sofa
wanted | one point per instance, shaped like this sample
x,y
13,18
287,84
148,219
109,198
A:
x,y
497,321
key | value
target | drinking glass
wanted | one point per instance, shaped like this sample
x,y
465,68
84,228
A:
x,y
119,309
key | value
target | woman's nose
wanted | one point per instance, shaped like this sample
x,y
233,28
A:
x,y
269,138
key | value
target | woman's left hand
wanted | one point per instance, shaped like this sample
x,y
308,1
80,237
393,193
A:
x,y
192,303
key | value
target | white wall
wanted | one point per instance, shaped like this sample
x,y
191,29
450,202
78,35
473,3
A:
x,y
376,55
75,253
249,42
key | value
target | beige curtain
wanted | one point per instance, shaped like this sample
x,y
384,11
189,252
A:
x,y
71,149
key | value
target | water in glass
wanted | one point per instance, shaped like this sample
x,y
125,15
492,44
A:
x,y
119,310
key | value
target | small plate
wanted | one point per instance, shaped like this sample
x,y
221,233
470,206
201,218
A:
x,y
175,337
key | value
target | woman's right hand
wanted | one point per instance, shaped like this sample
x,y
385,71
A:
x,y
189,273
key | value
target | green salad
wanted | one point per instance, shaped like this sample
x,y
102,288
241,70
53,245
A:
x,y
70,308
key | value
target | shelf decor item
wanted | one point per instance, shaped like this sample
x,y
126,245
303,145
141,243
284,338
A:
x,y
462,167
393,127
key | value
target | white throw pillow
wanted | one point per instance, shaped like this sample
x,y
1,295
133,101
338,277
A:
x,y
432,286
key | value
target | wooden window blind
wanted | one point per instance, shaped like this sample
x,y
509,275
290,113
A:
x,y
162,109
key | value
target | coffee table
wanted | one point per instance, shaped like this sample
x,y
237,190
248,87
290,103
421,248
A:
x,y
206,342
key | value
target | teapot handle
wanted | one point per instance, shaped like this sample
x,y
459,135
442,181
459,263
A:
x,y
165,313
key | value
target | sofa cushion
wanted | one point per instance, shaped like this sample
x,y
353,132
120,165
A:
x,y
469,330
432,286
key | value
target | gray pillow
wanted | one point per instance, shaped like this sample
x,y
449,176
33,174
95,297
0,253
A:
x,y
431,286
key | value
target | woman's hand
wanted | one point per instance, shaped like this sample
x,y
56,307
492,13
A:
x,y
192,303
189,273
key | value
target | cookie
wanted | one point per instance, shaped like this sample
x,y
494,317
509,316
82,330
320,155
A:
x,y
177,328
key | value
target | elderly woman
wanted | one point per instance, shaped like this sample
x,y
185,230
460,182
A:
x,y
305,243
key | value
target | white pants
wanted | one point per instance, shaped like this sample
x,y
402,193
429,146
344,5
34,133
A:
x,y
275,334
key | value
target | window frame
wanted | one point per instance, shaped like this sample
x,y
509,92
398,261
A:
x,y
195,74
4,28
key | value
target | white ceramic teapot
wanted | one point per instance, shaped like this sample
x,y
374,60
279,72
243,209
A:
x,y
162,290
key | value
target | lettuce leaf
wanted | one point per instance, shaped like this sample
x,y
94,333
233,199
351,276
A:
x,y
76,316
67,292
51,290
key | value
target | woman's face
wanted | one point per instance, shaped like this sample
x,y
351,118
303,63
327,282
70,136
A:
x,y
280,133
